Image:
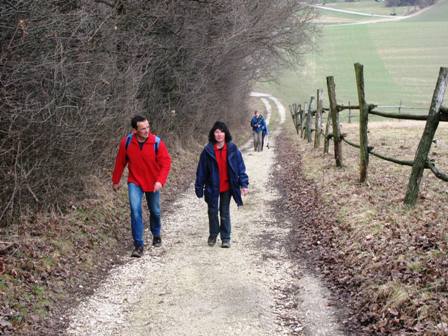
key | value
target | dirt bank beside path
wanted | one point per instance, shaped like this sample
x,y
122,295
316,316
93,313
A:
x,y
188,288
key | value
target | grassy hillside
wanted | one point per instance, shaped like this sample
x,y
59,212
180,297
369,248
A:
x,y
401,60
437,13
371,7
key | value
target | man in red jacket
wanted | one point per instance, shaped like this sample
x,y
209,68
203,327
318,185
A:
x,y
149,164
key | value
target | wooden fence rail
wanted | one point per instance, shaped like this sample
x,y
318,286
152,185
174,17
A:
x,y
302,119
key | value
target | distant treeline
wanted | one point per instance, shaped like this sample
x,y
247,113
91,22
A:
x,y
72,73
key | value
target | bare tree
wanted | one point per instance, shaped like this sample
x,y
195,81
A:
x,y
72,72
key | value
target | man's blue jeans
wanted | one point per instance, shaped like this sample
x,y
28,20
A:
x,y
135,200
224,213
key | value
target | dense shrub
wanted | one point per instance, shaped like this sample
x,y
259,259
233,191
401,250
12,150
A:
x,y
73,72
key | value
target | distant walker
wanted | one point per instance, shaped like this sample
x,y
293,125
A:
x,y
259,130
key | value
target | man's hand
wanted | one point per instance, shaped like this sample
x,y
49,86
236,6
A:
x,y
244,191
157,186
116,186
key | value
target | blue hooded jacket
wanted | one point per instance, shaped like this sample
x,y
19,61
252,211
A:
x,y
258,124
207,175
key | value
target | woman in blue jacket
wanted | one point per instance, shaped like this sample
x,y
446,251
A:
x,y
221,174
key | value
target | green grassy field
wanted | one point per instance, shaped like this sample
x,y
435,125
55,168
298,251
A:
x,y
401,61
371,7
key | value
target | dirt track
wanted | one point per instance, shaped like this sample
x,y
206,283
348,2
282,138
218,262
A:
x,y
188,288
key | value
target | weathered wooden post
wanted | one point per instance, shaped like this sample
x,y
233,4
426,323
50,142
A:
x,y
421,156
309,117
349,113
363,123
301,119
326,136
303,128
291,110
295,117
318,123
299,107
334,120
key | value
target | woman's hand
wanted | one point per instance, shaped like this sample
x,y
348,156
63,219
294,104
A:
x,y
244,191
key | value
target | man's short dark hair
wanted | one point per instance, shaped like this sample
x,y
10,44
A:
x,y
223,128
136,119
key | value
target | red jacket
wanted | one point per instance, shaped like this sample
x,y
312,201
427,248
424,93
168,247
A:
x,y
144,169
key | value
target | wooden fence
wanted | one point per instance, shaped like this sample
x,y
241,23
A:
x,y
303,121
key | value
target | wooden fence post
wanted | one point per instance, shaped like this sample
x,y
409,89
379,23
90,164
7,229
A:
x,y
421,156
363,122
301,120
326,139
318,123
309,118
334,120
297,111
349,113
291,110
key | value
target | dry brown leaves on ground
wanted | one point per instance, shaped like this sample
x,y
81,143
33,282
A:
x,y
388,263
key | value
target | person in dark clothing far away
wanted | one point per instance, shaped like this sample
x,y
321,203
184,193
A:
x,y
221,174
148,164
264,133
259,129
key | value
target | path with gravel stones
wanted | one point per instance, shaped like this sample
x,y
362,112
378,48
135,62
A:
x,y
188,288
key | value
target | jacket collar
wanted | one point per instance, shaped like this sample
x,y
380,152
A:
x,y
151,138
209,149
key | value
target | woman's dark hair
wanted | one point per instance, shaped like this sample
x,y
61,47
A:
x,y
136,119
223,128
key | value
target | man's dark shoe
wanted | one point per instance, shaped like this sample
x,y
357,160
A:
x,y
156,241
225,244
138,252
211,240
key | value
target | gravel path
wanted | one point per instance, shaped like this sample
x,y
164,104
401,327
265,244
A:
x,y
188,288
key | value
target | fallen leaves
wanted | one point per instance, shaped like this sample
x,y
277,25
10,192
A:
x,y
387,263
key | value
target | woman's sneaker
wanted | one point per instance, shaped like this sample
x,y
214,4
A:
x,y
211,240
156,241
225,244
